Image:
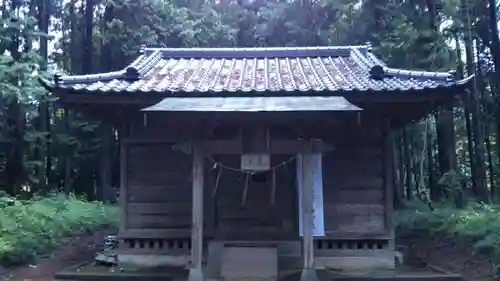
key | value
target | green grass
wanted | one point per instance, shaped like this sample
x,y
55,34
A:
x,y
477,225
32,227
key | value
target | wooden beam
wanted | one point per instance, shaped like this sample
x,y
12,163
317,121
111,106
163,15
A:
x,y
196,271
277,147
308,272
166,234
255,138
342,235
93,98
150,98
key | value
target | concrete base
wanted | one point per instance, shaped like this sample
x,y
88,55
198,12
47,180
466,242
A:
x,y
343,261
308,275
196,274
378,261
290,258
143,261
249,262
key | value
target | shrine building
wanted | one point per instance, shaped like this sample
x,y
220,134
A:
x,y
257,161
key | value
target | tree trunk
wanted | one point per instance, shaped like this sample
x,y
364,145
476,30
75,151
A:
x,y
409,165
43,172
495,82
480,188
88,42
445,130
398,199
434,189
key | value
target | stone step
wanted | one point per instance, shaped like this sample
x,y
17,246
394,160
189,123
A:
x,y
252,263
250,279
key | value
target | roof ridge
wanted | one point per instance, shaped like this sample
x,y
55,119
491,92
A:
x,y
407,73
150,56
379,70
86,78
256,52
96,77
140,67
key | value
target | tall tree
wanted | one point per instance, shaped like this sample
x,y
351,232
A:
x,y
480,188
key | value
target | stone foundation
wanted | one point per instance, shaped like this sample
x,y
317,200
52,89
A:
x,y
380,260
144,261
289,258
249,262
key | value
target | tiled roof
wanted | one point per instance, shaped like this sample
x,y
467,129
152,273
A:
x,y
303,69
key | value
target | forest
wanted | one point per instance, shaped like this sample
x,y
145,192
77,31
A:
x,y
447,164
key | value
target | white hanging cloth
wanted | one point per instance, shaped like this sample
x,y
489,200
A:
x,y
318,212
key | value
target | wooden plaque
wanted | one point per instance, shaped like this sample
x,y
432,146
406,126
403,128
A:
x,y
255,162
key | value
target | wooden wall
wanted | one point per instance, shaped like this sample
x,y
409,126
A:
x,y
259,212
354,194
158,189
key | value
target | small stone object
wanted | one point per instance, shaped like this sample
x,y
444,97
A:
x,y
110,242
109,259
108,256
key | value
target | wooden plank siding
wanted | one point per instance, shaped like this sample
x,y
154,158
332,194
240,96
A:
x,y
158,188
354,194
159,191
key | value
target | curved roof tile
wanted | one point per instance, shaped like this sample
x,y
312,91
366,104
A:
x,y
297,69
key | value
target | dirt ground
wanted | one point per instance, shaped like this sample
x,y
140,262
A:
x,y
78,249
448,255
440,253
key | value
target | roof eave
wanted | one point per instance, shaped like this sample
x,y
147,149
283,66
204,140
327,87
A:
x,y
466,81
46,84
377,96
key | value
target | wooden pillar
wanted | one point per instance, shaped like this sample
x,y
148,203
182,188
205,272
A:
x,y
308,272
123,179
388,181
106,192
196,271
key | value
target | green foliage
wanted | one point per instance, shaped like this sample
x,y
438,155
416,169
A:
x,y
29,228
477,225
50,147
